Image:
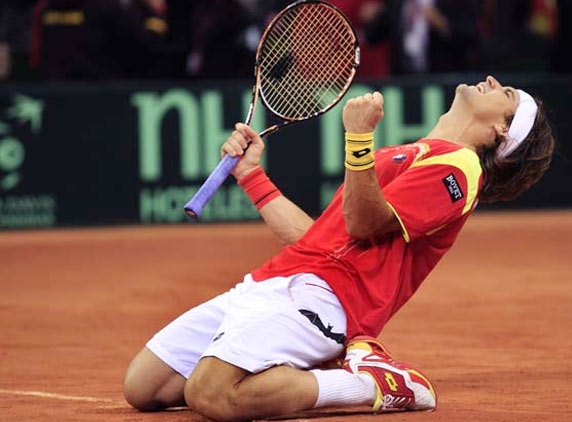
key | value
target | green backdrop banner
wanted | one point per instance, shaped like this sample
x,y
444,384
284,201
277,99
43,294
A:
x,y
99,154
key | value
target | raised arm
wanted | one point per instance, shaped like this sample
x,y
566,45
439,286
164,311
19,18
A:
x,y
287,221
366,212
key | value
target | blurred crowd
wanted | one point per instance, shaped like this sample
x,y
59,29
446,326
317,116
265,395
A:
x,y
213,39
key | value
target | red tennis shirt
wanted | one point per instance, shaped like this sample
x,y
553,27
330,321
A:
x,y
432,186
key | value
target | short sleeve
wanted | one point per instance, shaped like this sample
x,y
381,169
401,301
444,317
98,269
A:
x,y
434,192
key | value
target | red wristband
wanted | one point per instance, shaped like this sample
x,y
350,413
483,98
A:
x,y
259,187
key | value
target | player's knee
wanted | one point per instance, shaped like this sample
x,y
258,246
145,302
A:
x,y
219,405
150,384
213,390
138,399
138,394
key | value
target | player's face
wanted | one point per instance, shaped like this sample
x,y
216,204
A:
x,y
488,101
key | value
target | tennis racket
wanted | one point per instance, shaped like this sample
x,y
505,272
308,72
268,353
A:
x,y
305,62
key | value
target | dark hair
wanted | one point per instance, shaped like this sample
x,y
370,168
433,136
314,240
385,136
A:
x,y
506,178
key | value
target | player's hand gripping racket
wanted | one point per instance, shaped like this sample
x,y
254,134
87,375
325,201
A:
x,y
305,62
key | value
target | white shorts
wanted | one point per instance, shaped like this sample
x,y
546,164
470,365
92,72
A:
x,y
295,321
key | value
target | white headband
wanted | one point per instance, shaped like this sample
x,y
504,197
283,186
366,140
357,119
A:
x,y
521,125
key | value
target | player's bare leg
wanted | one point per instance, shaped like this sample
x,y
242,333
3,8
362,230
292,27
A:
x,y
371,376
151,385
224,392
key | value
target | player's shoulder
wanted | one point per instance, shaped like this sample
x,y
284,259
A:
x,y
459,167
444,153
404,153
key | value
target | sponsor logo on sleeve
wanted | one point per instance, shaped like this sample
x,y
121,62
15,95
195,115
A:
x,y
453,188
399,158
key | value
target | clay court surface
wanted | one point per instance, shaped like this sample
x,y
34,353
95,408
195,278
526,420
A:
x,y
492,326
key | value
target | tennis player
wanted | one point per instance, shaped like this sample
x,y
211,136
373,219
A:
x,y
259,349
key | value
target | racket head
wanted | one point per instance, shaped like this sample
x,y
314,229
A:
x,y
306,60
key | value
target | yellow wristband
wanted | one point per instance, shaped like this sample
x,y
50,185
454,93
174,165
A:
x,y
359,151
359,136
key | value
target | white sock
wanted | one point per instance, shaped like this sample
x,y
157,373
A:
x,y
338,387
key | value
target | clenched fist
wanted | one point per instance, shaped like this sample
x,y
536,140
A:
x,y
362,114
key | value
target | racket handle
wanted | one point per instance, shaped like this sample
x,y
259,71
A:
x,y
195,206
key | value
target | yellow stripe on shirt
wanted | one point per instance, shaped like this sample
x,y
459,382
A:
x,y
404,231
468,162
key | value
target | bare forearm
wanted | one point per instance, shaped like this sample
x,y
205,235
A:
x,y
366,211
286,220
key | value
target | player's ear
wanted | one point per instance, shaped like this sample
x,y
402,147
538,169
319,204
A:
x,y
501,129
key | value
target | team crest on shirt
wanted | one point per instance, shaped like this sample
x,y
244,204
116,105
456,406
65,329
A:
x,y
402,152
453,187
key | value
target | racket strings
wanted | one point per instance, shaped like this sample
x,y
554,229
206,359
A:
x,y
316,64
307,61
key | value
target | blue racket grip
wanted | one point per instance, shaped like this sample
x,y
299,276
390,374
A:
x,y
195,206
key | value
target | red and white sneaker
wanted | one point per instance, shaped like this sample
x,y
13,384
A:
x,y
399,385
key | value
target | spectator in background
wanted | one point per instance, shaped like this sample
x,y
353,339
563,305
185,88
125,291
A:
x,y
221,46
102,39
374,56
518,34
5,61
561,60
454,37
15,25
180,34
427,35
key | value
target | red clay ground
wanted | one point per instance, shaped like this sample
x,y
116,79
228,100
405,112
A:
x,y
492,326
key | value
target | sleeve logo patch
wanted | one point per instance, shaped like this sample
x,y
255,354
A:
x,y
453,188
399,158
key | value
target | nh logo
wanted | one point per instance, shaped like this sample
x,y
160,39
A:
x,y
201,130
